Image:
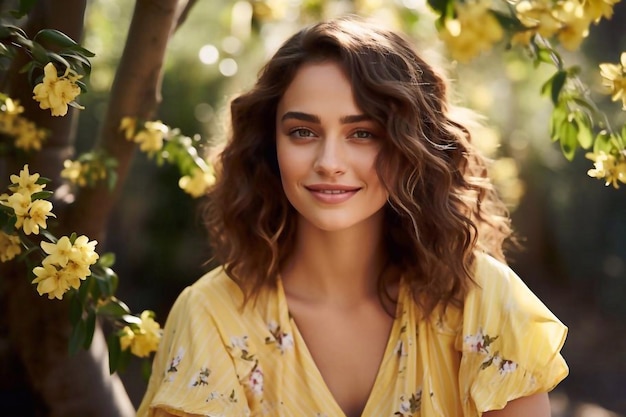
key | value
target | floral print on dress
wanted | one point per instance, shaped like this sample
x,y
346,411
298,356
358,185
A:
x,y
411,405
172,367
201,378
481,343
255,381
241,343
283,340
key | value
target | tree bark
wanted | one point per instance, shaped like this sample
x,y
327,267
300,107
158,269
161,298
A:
x,y
38,328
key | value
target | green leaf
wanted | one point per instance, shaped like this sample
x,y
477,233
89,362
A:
x,y
48,235
76,309
105,284
557,118
602,142
115,308
585,135
557,85
77,337
107,260
41,195
568,136
40,54
90,327
54,37
115,351
146,369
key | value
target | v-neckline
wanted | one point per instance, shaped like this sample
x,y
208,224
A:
x,y
310,362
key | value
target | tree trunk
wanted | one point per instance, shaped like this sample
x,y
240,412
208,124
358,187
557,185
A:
x,y
38,328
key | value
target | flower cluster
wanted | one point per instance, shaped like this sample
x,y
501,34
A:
x,y
56,93
31,212
9,246
567,20
83,173
142,337
614,79
608,167
474,30
158,139
67,264
197,183
26,134
150,137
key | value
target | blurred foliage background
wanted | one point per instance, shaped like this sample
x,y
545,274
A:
x,y
573,228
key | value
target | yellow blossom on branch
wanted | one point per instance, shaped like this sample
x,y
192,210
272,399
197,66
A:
x,y
27,135
197,183
65,266
597,9
54,92
150,139
74,171
142,338
9,247
608,167
474,30
25,183
128,125
51,281
614,79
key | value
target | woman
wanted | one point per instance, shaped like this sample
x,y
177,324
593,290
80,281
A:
x,y
359,236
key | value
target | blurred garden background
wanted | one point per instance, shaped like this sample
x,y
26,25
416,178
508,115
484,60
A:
x,y
572,227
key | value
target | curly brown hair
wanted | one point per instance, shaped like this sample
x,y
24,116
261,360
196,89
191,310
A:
x,y
442,206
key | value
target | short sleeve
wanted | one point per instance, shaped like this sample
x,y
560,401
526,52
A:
x,y
510,341
192,372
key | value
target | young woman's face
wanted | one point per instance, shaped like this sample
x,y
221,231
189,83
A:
x,y
327,148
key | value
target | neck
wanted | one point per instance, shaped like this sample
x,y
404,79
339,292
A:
x,y
339,267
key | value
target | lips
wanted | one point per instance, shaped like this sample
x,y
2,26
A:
x,y
332,193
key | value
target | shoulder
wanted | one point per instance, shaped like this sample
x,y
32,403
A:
x,y
214,292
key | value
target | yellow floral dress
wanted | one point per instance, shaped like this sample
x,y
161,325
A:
x,y
218,360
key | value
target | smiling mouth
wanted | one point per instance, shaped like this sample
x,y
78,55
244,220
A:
x,y
334,191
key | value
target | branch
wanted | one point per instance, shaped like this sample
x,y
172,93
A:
x,y
136,92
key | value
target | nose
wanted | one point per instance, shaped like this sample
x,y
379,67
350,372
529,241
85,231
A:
x,y
330,159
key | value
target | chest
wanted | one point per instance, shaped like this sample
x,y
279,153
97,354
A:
x,y
347,348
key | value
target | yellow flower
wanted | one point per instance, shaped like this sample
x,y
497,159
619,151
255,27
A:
x,y
84,251
20,203
473,31
538,15
38,213
597,9
58,253
144,339
74,258
26,183
128,125
9,247
126,338
12,107
74,171
150,139
608,167
27,135
56,92
51,281
614,79
575,25
197,184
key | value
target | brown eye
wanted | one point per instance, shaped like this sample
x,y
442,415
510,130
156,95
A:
x,y
363,134
301,133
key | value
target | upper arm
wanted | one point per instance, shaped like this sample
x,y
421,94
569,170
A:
x,y
536,405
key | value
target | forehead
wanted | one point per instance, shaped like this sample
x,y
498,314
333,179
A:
x,y
319,85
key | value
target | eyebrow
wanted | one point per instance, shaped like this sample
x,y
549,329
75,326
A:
x,y
306,117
